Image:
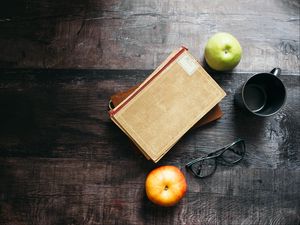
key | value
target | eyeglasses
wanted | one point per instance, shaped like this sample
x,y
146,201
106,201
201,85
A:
x,y
229,156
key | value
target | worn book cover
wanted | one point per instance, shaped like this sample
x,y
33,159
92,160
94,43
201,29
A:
x,y
167,104
214,114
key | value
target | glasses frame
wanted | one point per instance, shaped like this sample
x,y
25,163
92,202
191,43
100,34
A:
x,y
218,155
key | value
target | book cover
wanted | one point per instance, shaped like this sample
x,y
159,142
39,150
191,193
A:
x,y
214,114
167,104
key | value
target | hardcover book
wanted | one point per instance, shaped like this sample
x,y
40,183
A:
x,y
214,114
167,104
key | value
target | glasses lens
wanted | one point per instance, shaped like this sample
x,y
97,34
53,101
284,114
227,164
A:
x,y
204,168
234,153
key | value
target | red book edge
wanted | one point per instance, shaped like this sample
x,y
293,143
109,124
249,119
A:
x,y
140,88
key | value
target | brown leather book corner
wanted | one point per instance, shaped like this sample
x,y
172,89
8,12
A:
x,y
214,114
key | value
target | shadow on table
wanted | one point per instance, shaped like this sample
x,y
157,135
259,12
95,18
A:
x,y
246,124
16,114
149,211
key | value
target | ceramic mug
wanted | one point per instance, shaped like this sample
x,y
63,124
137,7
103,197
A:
x,y
263,94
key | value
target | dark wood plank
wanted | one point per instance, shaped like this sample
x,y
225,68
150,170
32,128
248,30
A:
x,y
62,161
60,191
139,34
64,110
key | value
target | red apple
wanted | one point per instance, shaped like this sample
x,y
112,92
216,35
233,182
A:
x,y
165,185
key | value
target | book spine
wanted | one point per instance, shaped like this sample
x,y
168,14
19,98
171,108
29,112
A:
x,y
141,87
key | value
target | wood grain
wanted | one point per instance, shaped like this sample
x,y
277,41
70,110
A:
x,y
139,34
62,161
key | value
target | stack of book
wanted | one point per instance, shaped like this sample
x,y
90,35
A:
x,y
159,111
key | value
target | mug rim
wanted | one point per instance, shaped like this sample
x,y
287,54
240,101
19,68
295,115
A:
x,y
258,114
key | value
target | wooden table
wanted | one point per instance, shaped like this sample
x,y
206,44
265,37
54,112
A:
x,y
62,161
139,34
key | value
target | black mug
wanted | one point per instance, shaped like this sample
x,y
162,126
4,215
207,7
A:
x,y
263,94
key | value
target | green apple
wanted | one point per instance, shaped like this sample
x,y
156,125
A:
x,y
223,52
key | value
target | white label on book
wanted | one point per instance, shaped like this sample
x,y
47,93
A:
x,y
188,64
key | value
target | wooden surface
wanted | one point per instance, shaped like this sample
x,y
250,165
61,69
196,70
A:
x,y
139,34
62,161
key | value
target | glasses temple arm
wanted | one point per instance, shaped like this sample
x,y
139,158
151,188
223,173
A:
x,y
194,161
215,153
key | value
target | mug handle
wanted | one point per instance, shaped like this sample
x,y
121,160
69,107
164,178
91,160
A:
x,y
276,71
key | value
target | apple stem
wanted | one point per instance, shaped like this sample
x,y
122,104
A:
x,y
166,187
